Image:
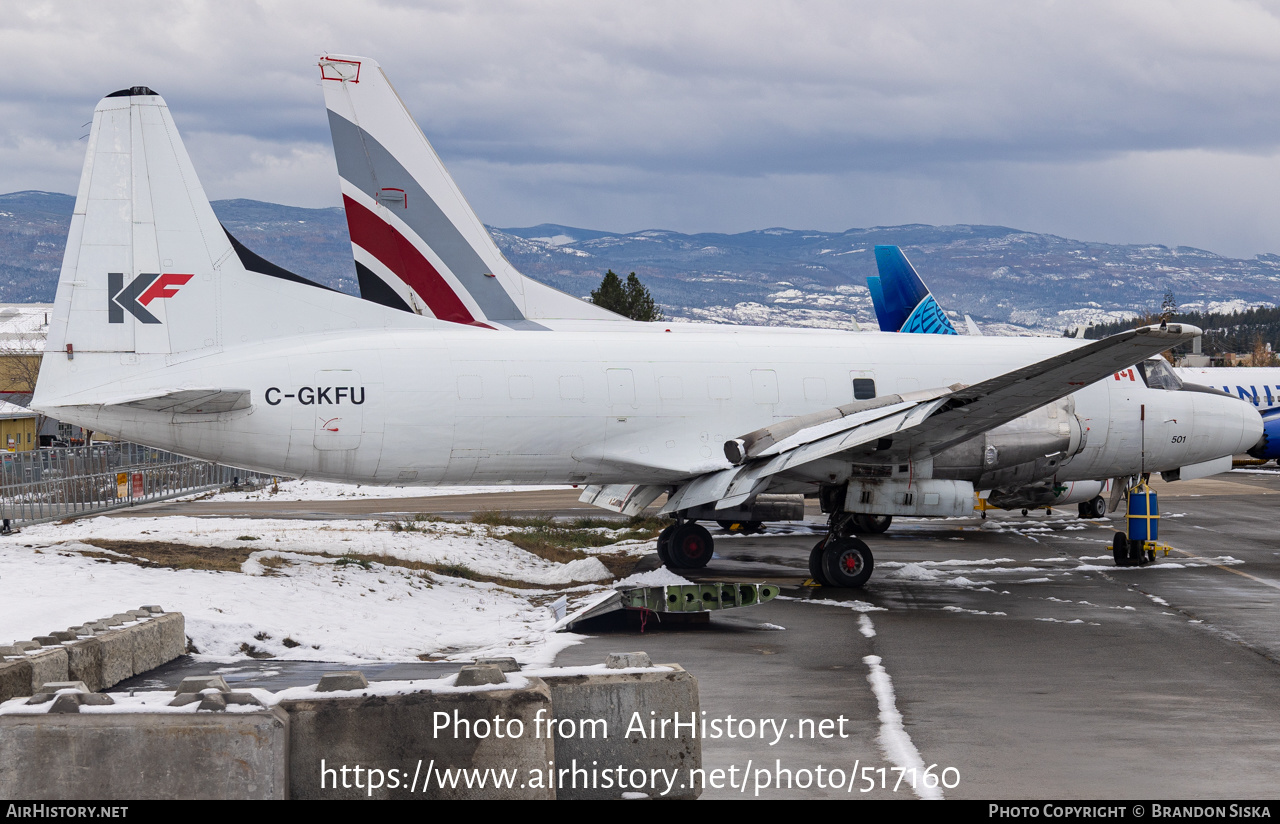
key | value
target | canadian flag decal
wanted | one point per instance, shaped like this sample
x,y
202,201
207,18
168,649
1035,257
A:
x,y
140,292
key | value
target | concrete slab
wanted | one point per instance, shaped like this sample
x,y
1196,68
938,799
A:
x,y
605,718
399,747
178,755
47,665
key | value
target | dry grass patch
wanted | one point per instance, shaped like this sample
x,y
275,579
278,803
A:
x,y
561,543
449,570
170,555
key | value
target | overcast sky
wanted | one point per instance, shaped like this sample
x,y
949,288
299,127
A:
x,y
1146,121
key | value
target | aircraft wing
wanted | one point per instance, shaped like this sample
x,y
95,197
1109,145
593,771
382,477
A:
x,y
917,424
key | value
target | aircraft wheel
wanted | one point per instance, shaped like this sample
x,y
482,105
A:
x,y
690,546
847,562
1120,550
664,545
871,524
815,564
1096,508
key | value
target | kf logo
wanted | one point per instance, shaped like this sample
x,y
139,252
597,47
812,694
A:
x,y
143,289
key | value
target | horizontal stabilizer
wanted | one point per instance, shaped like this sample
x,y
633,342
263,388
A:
x,y
192,401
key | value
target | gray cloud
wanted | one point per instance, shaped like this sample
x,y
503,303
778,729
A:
x,y
1152,120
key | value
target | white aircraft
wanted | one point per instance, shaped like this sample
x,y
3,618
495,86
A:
x,y
168,332
1258,385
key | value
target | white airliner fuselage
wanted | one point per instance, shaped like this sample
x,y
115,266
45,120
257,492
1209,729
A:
x,y
167,331
466,405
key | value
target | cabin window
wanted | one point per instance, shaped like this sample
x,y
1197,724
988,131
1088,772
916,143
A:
x,y
864,389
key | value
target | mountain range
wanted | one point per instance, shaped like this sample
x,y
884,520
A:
x,y
1009,280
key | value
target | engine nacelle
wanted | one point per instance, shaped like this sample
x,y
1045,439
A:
x,y
1025,450
1035,496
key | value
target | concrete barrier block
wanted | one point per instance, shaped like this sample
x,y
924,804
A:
x,y
623,699
15,679
200,683
84,663
173,635
473,675
117,656
101,752
49,664
147,652
342,680
413,739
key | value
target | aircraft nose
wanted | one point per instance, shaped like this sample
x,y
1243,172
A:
x,y
1246,421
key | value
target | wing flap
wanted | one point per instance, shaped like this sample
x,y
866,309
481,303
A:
x,y
628,499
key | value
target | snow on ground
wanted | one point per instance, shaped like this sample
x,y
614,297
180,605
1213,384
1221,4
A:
x,y
305,490
308,590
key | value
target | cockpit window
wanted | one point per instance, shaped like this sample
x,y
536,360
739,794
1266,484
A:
x,y
1158,375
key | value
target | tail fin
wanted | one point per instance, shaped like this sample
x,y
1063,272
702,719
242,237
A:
x,y
417,243
902,301
149,275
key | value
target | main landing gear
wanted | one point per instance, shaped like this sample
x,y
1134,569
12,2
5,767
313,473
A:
x,y
841,559
1097,508
685,546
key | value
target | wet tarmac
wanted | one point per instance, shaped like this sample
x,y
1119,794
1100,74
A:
x,y
1019,656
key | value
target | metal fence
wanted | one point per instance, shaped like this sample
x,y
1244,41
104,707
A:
x,y
51,484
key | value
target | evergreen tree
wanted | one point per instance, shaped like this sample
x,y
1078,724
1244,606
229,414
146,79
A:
x,y
631,300
640,304
610,295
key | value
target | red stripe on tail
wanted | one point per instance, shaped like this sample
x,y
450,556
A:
x,y
395,252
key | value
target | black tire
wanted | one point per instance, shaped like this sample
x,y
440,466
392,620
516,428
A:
x,y
871,524
847,562
752,527
664,545
690,547
1097,507
1082,510
815,564
1120,550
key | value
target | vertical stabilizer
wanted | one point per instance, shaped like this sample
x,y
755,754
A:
x,y
902,301
150,277
417,243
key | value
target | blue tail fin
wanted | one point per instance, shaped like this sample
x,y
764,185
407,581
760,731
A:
x,y
902,301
